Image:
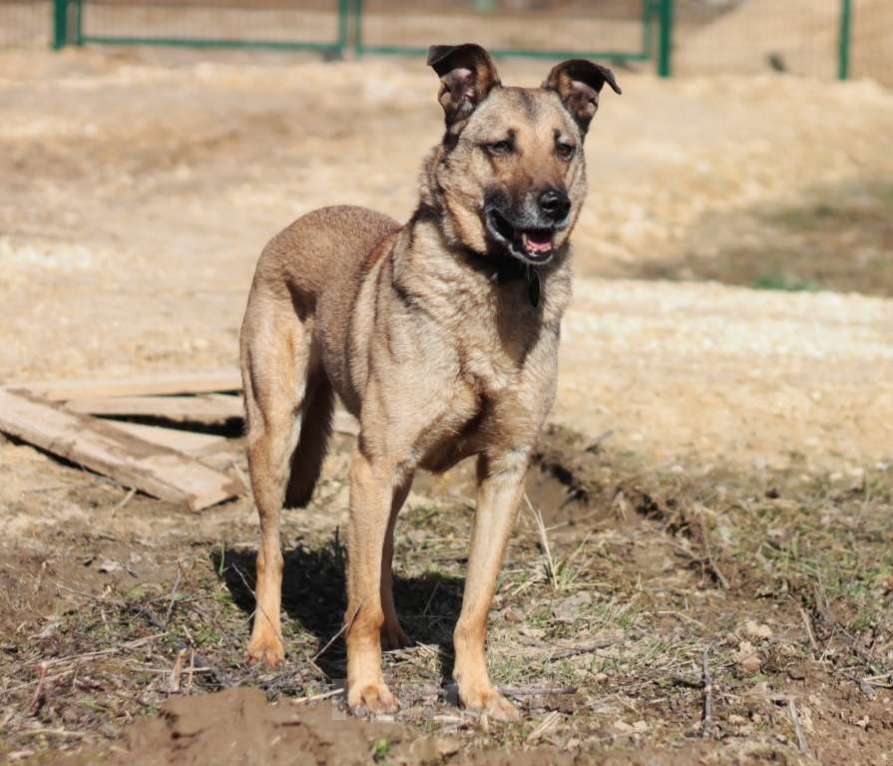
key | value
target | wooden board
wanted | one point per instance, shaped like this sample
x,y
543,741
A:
x,y
135,462
227,379
205,408
190,442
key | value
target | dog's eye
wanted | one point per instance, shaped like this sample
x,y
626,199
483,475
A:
x,y
565,151
501,147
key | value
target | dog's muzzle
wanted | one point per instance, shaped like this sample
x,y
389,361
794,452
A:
x,y
529,237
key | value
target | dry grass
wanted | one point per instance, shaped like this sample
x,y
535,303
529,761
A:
x,y
605,614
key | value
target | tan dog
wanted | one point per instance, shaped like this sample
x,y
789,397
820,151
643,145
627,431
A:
x,y
440,336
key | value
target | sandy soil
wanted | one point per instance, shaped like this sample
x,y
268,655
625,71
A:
x,y
750,430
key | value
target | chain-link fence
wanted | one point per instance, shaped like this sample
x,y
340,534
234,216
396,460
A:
x,y
813,38
25,23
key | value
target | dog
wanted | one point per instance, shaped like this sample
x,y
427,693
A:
x,y
440,336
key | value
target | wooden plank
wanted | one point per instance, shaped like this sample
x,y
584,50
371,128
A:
x,y
152,468
189,442
205,408
345,423
227,379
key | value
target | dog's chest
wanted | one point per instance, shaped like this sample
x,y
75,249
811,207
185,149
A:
x,y
486,406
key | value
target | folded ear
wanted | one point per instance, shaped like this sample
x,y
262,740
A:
x,y
467,74
578,82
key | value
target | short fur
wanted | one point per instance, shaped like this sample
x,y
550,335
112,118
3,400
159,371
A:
x,y
440,336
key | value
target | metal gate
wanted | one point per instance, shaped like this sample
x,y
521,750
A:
x,y
630,30
321,26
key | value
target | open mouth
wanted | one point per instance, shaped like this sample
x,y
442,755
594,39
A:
x,y
531,245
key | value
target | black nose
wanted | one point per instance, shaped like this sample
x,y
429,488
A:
x,y
554,204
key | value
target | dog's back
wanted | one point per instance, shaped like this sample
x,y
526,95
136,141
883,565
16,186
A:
x,y
325,247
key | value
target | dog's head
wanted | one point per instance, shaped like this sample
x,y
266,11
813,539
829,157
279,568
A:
x,y
511,172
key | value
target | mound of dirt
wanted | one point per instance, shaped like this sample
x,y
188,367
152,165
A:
x,y
239,726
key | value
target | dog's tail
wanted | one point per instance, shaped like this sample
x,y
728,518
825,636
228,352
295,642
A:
x,y
316,428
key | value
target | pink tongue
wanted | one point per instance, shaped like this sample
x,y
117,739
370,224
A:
x,y
538,242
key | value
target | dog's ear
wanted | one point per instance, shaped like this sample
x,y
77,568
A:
x,y
578,82
467,74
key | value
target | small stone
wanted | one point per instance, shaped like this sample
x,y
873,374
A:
x,y
447,746
570,609
756,630
623,727
108,566
737,720
747,659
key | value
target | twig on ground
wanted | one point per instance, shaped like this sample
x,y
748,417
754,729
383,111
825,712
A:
x,y
39,697
192,669
712,566
594,445
795,719
584,649
544,541
680,616
316,697
103,652
548,724
173,683
44,730
807,623
170,606
127,498
343,629
707,728
534,691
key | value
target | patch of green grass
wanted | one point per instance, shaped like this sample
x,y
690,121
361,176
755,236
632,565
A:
x,y
775,280
381,749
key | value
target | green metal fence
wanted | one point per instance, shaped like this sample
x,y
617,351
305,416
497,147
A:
x,y
264,24
827,38
627,30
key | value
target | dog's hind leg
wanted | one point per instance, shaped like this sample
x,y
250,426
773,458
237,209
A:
x,y
392,635
316,427
276,359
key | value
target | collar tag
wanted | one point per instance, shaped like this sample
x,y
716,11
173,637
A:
x,y
534,287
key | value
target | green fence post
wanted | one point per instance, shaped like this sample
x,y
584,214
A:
x,y
665,39
846,20
60,23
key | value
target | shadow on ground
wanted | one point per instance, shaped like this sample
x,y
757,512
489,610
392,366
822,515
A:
x,y
313,595
836,238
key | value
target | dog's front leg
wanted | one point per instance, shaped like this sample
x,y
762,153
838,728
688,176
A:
x,y
372,482
501,484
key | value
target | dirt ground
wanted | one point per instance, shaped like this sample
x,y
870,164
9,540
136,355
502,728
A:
x,y
716,491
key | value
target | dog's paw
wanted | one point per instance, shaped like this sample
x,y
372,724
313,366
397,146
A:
x,y
266,650
393,637
373,698
488,700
